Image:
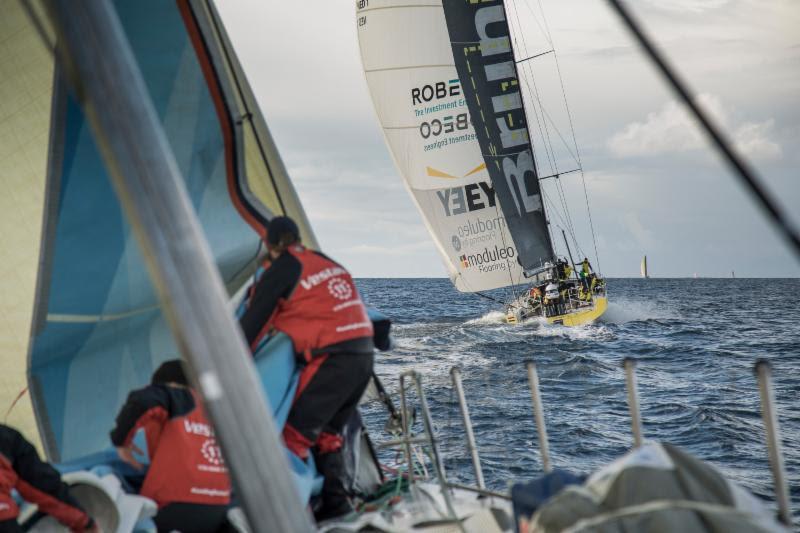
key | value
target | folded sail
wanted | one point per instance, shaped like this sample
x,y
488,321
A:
x,y
484,59
420,102
98,329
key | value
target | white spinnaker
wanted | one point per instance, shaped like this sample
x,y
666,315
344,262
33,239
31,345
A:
x,y
408,64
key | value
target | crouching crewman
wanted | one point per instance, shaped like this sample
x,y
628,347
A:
x,y
37,482
187,476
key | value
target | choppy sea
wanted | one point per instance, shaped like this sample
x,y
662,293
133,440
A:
x,y
696,341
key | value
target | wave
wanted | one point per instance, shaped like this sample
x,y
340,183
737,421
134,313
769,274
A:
x,y
623,311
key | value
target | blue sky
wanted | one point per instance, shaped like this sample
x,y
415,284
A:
x,y
654,185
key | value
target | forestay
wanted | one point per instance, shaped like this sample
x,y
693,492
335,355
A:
x,y
484,58
420,103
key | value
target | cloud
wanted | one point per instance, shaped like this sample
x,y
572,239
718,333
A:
x,y
671,130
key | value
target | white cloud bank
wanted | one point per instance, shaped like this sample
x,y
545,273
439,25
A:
x,y
671,130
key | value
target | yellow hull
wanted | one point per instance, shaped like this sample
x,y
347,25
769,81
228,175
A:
x,y
578,318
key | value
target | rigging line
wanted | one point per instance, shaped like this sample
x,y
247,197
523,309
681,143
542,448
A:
x,y
553,169
576,155
535,56
546,33
747,176
534,92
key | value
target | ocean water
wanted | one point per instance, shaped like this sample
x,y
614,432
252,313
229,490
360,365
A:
x,y
696,341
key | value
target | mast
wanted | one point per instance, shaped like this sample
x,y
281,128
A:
x,y
104,75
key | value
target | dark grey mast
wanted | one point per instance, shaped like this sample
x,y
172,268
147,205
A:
x,y
107,82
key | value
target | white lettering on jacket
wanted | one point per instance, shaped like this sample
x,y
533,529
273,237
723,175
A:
x,y
315,279
197,428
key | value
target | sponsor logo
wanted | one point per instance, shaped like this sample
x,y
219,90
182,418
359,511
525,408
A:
x,y
323,275
508,125
456,243
478,232
340,289
470,197
446,125
435,91
490,259
211,452
197,428
435,173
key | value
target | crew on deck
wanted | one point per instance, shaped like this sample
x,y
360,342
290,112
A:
x,y
313,300
586,270
37,482
187,477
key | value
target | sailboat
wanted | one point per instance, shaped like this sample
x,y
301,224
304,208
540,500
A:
x,y
644,268
447,95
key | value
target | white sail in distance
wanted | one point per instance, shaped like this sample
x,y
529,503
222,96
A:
x,y
409,68
644,267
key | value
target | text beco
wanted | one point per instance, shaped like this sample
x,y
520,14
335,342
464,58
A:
x,y
470,197
437,90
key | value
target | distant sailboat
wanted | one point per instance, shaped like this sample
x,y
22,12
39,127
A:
x,y
644,267
733,274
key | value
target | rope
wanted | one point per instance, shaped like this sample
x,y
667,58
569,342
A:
x,y
742,169
14,403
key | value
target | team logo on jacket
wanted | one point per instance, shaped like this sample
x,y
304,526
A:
x,y
340,289
211,452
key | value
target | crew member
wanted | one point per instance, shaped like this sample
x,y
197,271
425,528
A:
x,y
187,477
586,269
37,482
313,300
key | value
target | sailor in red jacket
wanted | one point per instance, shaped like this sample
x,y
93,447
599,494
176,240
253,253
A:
x,y
187,476
313,300
37,482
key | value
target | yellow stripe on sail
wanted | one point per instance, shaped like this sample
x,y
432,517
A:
x,y
439,174
480,167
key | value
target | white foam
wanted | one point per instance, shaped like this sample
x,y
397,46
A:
x,y
622,311
492,317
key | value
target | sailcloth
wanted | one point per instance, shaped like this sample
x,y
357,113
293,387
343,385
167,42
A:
x,y
98,331
422,107
481,47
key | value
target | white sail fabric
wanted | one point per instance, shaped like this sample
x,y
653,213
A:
x,y
644,267
408,63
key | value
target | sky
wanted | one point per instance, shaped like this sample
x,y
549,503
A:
x,y
654,185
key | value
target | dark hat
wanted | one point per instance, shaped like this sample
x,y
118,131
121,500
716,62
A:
x,y
279,227
170,372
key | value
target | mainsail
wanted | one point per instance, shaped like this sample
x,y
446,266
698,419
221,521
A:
x,y
97,329
481,47
644,267
422,108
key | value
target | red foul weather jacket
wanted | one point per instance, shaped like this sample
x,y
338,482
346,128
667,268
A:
x,y
36,481
186,465
313,300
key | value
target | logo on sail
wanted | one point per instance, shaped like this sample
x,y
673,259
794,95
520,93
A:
x,y
435,91
490,259
470,197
